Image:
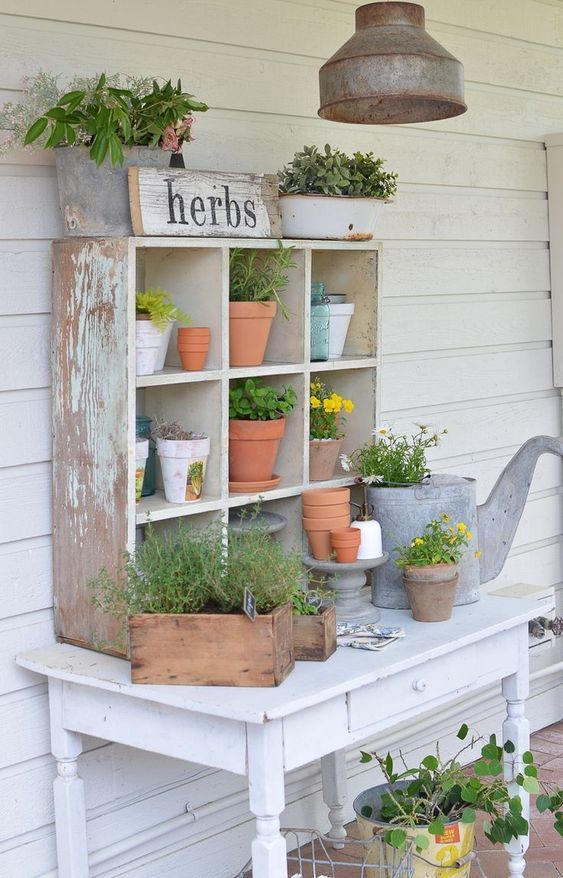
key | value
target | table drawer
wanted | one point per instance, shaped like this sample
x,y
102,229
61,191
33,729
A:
x,y
438,679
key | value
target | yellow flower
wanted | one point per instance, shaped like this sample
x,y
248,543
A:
x,y
478,553
314,402
348,405
445,517
328,405
419,542
461,527
468,534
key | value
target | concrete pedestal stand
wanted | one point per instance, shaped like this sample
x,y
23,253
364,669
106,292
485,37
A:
x,y
347,580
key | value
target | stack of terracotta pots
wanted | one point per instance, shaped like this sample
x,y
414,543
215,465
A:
x,y
324,509
193,345
345,541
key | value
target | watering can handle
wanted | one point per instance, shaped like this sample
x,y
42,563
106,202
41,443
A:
x,y
427,491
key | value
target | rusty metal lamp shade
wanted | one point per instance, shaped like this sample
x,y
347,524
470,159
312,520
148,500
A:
x,y
391,71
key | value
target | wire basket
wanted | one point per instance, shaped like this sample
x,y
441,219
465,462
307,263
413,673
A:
x,y
314,855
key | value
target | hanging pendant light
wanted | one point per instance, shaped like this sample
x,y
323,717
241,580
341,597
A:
x,y
391,71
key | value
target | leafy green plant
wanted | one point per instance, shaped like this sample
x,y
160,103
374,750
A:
x,y
392,460
260,275
159,307
441,543
192,570
310,602
249,400
443,791
332,172
105,114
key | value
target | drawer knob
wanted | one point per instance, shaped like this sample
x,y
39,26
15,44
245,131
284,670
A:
x,y
419,685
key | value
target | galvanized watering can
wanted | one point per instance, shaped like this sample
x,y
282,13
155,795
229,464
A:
x,y
403,513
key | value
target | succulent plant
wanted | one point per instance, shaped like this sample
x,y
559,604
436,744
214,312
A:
x,y
332,172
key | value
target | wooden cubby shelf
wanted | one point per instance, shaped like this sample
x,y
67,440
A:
x,y
97,393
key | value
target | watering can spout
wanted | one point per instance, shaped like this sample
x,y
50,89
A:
x,y
499,516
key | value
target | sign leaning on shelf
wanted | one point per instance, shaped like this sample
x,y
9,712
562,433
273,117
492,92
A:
x,y
203,203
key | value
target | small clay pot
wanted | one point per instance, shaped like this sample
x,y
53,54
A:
x,y
346,554
326,523
323,455
325,496
346,536
193,345
431,591
318,532
326,511
249,329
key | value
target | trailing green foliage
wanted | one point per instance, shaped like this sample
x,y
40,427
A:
x,y
160,308
249,400
332,172
392,460
260,275
441,543
110,112
442,791
311,602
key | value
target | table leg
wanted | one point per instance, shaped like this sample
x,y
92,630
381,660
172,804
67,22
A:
x,y
267,799
516,728
68,790
333,771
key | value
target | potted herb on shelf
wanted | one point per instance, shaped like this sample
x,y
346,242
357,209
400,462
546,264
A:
x,y
98,127
429,564
257,414
155,317
327,194
180,599
183,460
326,429
435,804
256,279
314,625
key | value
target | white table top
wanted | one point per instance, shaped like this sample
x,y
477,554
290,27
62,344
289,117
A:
x,y
311,682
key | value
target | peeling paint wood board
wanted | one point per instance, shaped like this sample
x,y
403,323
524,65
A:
x,y
90,425
203,203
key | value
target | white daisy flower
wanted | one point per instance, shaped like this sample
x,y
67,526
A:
x,y
345,463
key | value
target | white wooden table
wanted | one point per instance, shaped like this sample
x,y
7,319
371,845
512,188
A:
x,y
321,709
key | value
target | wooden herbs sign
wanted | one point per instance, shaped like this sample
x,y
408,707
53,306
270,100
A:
x,y
203,203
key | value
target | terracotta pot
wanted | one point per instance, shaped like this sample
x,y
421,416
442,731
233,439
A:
x,y
346,554
318,532
346,536
325,496
253,448
193,344
326,511
249,329
431,591
323,455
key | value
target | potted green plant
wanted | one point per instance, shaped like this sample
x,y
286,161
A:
x,y
429,564
156,314
256,279
180,597
314,624
257,415
435,804
99,126
326,429
183,460
328,194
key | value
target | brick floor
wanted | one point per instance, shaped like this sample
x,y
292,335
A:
x,y
545,855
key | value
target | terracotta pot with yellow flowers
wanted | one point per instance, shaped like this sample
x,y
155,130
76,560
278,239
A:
x,y
326,429
429,565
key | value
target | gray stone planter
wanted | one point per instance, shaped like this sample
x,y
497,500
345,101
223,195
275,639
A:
x,y
95,201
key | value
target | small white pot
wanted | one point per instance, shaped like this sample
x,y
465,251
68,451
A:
x,y
150,338
329,217
183,463
340,317
370,544
164,342
141,454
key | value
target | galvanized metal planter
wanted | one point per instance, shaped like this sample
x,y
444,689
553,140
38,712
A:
x,y
95,201
403,513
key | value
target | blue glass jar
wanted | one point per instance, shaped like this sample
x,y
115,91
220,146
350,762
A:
x,y
143,427
320,323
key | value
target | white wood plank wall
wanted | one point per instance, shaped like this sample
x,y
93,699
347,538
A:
x,y
466,338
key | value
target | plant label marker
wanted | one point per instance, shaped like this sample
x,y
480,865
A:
x,y
249,604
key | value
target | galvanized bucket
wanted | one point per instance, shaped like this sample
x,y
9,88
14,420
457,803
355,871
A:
x,y
95,201
403,513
